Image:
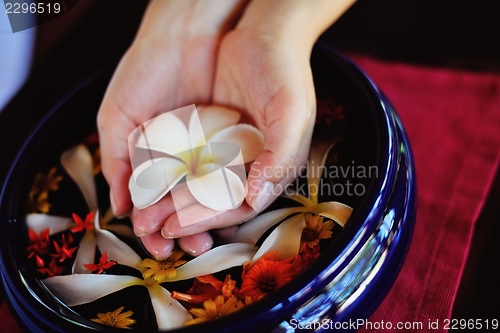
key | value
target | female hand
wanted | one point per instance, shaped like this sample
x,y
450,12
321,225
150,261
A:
x,y
262,69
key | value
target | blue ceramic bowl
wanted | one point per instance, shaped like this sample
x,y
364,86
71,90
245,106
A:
x,y
346,283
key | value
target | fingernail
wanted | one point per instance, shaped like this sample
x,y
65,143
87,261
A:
x,y
167,235
262,197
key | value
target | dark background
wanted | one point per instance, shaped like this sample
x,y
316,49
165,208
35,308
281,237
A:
x,y
446,33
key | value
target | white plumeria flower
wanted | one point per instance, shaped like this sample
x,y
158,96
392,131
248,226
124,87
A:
x,y
77,289
208,147
286,237
79,165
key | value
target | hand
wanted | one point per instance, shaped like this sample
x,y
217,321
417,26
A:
x,y
262,70
170,64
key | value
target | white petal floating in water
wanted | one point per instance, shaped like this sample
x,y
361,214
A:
x,y
79,289
168,311
317,159
85,253
39,222
79,164
216,260
251,231
216,187
334,210
117,250
285,238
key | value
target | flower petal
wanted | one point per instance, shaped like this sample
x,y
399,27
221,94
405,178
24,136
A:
x,y
155,180
317,158
334,210
216,187
215,118
79,164
85,253
215,260
39,222
168,311
247,137
285,238
79,289
117,250
165,133
251,231
160,173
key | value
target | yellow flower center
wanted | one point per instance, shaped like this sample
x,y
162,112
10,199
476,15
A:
x,y
111,321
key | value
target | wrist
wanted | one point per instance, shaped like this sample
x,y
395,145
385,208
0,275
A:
x,y
184,20
301,20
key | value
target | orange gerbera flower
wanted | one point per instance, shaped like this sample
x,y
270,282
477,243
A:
x,y
115,318
315,230
213,309
159,269
264,277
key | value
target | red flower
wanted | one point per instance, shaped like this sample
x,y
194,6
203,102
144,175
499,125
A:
x,y
264,277
39,243
101,266
63,252
52,270
81,225
207,287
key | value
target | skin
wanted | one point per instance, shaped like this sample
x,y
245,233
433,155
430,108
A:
x,y
252,56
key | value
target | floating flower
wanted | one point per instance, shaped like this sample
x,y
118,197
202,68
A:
x,y
214,309
39,242
264,277
39,193
208,148
81,225
159,269
207,287
52,270
286,238
79,165
103,264
315,230
115,318
77,289
63,252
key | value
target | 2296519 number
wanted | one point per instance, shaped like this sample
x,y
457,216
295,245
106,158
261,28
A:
x,y
33,8
471,324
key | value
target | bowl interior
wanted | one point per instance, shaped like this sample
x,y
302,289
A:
x,y
349,113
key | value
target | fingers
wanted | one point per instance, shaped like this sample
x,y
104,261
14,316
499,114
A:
x,y
202,219
152,219
158,246
196,244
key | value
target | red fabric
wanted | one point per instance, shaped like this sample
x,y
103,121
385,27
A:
x,y
8,324
453,122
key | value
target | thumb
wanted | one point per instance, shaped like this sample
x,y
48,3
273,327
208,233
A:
x,y
289,118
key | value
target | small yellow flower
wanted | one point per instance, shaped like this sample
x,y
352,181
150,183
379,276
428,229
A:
x,y
39,193
115,318
159,269
315,230
213,309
